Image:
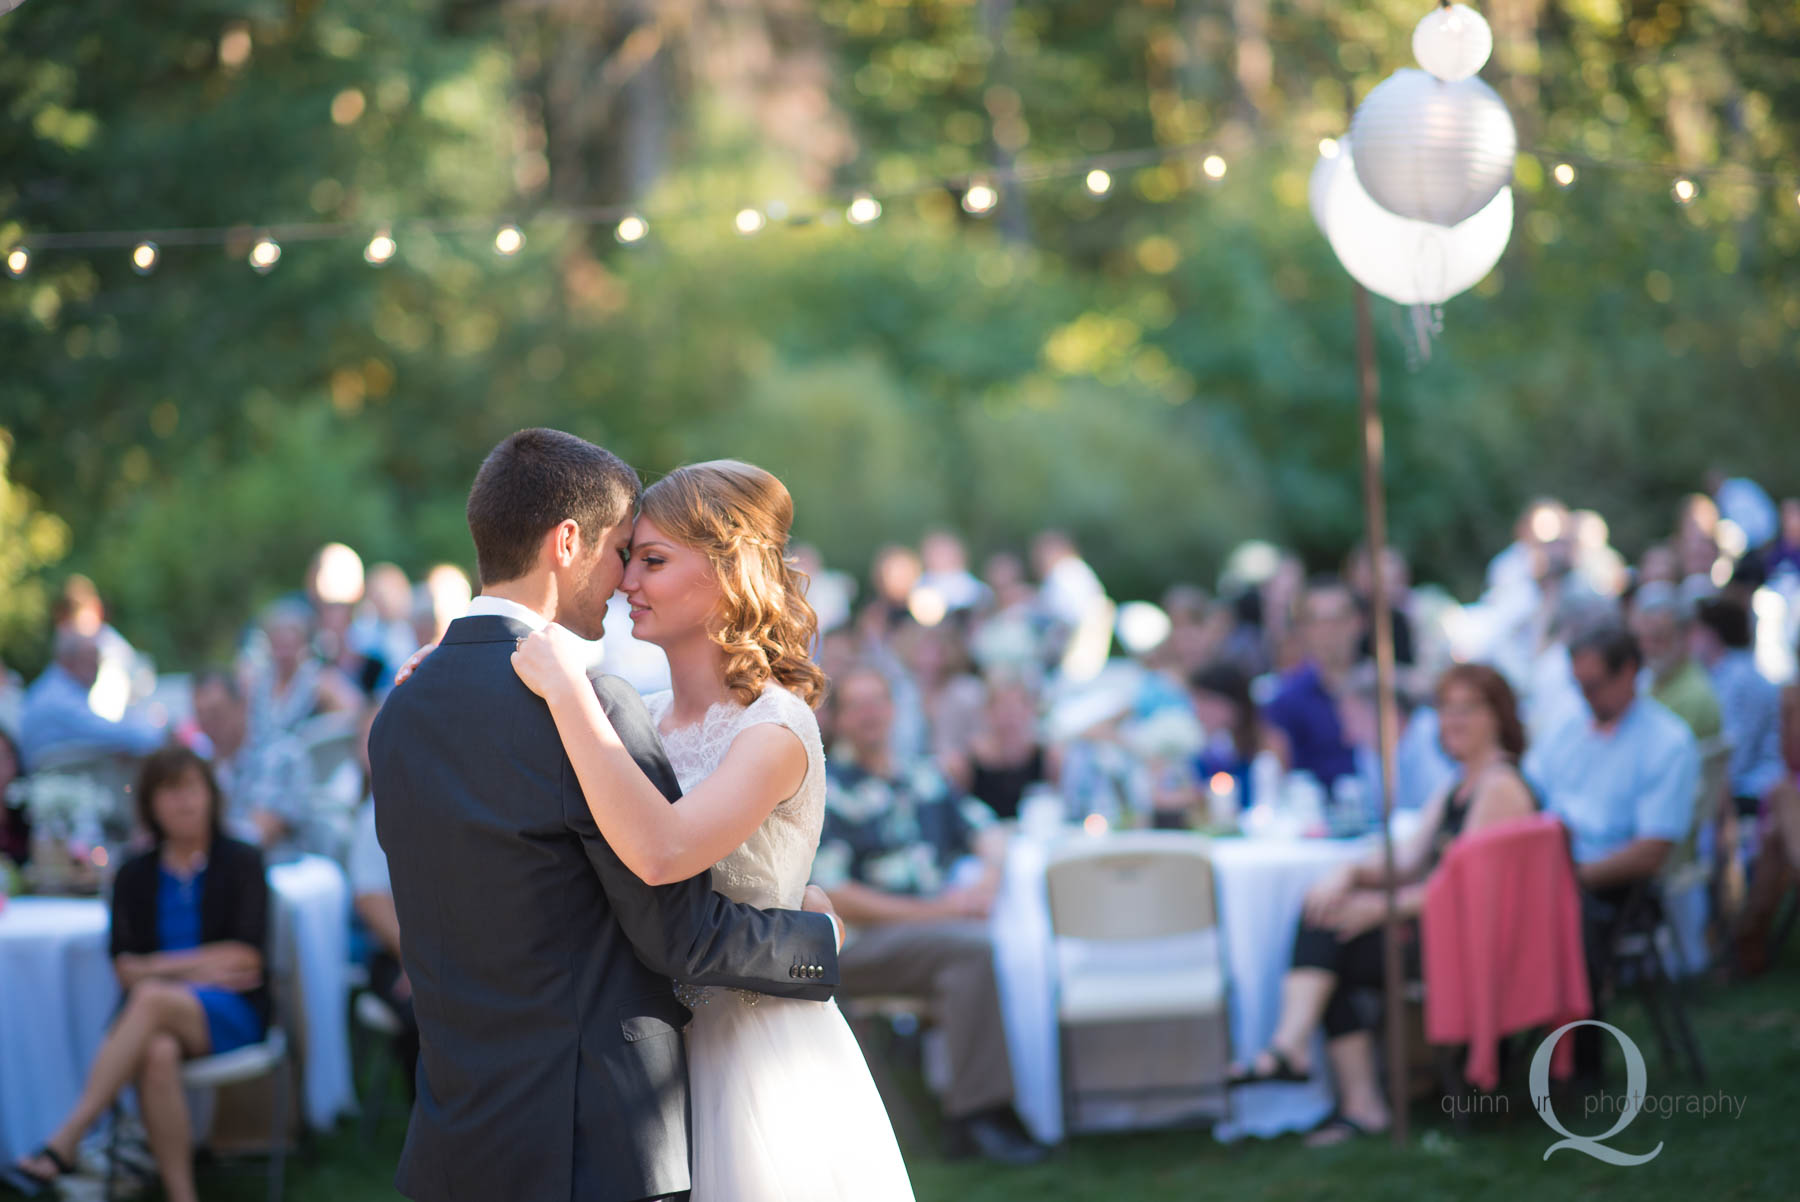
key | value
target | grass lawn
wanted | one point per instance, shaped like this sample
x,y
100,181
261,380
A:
x,y
1750,1034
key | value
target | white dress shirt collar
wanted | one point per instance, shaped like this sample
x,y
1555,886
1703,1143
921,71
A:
x,y
486,606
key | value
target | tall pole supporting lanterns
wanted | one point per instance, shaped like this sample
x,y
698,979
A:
x,y
1416,207
1387,713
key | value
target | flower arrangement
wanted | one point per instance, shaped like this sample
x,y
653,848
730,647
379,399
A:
x,y
63,806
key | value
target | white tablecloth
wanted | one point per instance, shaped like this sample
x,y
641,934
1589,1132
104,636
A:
x,y
1260,885
58,992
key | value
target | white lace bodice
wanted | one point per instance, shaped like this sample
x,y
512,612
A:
x,y
770,869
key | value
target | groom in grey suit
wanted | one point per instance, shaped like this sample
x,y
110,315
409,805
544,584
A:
x,y
551,1062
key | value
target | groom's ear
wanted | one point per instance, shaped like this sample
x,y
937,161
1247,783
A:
x,y
563,543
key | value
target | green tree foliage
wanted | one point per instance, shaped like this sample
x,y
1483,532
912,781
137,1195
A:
x,y
1165,371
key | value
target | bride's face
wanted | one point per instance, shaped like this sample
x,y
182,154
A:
x,y
672,589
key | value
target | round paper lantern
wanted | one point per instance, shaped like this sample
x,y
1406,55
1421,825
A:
x,y
1452,42
1431,150
1411,262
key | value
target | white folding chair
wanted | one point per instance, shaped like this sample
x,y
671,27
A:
x,y
1139,967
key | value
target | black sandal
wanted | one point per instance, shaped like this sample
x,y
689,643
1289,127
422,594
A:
x,y
63,1167
1284,1071
1342,1128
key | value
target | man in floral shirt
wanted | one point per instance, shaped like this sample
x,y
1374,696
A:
x,y
912,866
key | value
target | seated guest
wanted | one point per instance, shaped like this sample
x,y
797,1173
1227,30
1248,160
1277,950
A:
x,y
189,936
893,835
293,683
1005,756
1777,867
15,828
1340,949
373,896
58,717
1623,774
1662,624
79,609
267,786
1749,705
1305,709
1235,731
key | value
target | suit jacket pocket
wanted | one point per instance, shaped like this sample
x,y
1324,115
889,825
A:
x,y
652,1015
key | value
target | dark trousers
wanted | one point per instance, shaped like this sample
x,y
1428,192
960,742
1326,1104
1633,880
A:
x,y
1601,913
384,977
1358,963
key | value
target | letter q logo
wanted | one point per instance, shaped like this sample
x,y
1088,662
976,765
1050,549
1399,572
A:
x,y
1634,1098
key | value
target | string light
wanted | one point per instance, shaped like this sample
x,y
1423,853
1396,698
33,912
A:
x,y
980,198
264,255
380,249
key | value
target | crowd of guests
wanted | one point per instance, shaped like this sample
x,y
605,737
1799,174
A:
x,y
1641,704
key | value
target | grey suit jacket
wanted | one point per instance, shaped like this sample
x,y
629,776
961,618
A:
x,y
551,1063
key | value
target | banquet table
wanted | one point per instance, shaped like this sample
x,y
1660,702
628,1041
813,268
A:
x,y
1260,885
58,993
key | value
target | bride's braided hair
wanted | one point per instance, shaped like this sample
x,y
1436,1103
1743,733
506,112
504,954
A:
x,y
739,516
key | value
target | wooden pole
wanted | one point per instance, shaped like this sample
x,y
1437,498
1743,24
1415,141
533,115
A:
x,y
1387,714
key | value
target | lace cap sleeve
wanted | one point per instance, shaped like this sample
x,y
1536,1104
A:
x,y
778,707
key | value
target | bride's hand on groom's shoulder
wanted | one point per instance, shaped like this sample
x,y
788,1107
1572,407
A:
x,y
551,662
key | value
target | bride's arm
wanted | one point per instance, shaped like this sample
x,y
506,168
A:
x,y
658,841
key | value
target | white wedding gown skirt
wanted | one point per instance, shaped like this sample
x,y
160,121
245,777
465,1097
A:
x,y
784,1108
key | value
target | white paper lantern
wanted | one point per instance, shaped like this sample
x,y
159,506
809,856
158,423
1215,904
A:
x,y
1431,150
1411,262
1452,42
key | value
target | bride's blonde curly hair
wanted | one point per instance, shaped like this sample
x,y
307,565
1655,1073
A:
x,y
739,515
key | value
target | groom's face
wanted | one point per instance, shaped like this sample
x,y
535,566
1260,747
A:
x,y
593,579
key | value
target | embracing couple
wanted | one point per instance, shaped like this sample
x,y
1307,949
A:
x,y
601,976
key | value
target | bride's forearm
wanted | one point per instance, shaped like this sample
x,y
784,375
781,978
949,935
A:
x,y
643,829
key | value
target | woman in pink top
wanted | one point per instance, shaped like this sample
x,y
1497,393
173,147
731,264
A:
x,y
1338,950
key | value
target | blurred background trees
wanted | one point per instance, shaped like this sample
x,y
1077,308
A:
x,y
1166,370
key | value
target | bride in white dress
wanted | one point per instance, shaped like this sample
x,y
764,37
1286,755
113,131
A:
x,y
784,1109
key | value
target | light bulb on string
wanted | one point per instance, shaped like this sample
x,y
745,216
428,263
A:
x,y
144,257
380,249
749,221
1564,174
980,198
18,262
508,240
1214,166
631,228
1328,148
1684,190
1099,182
264,255
863,209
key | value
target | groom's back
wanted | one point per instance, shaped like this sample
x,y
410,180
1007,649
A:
x,y
523,980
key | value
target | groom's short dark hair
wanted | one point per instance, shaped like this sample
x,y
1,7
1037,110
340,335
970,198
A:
x,y
534,480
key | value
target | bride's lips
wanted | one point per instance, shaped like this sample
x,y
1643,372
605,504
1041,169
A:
x,y
639,610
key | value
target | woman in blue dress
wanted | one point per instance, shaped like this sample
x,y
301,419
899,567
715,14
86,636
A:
x,y
189,934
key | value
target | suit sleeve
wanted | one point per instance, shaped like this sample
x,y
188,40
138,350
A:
x,y
686,930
